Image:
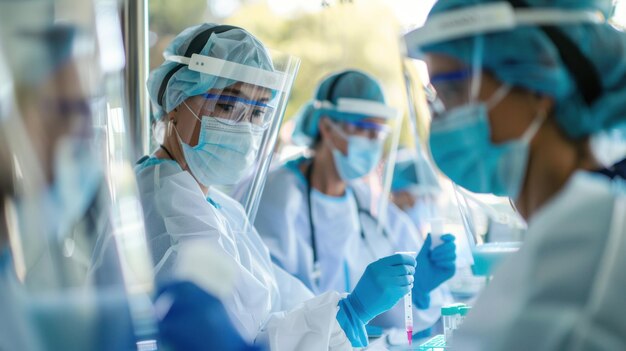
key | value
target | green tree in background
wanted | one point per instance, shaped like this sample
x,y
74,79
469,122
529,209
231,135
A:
x,y
171,16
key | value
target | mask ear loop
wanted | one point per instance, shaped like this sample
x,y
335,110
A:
x,y
190,110
477,61
532,130
171,125
338,130
341,133
498,96
528,136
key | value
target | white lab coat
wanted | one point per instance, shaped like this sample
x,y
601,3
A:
x,y
564,289
283,223
268,305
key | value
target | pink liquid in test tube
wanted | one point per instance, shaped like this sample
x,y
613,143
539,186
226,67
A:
x,y
408,308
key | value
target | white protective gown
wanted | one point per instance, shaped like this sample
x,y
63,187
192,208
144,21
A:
x,y
564,289
268,305
283,222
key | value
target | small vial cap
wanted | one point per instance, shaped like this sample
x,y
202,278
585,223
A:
x,y
464,310
449,310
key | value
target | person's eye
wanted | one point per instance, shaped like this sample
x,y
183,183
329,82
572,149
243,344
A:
x,y
226,107
258,113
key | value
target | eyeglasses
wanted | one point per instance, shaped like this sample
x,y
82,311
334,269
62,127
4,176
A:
x,y
234,109
371,130
448,90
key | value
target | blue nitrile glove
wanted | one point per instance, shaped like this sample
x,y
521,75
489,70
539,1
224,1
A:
x,y
192,319
383,283
433,268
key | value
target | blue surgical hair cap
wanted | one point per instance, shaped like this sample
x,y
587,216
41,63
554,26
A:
x,y
349,83
525,57
235,45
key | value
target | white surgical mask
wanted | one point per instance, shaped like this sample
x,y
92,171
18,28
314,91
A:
x,y
224,152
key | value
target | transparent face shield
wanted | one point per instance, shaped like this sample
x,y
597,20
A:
x,y
74,223
382,128
438,205
420,191
238,123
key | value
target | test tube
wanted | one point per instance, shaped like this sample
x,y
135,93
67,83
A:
x,y
457,315
448,314
463,311
436,231
408,306
408,316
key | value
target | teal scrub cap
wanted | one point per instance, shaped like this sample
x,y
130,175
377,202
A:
x,y
349,95
172,83
526,57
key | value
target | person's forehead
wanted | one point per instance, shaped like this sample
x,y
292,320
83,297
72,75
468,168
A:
x,y
246,91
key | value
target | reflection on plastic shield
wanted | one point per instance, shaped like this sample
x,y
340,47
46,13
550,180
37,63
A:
x,y
250,197
234,71
465,244
461,23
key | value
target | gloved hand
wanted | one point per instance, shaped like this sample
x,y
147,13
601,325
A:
x,y
383,283
191,319
433,268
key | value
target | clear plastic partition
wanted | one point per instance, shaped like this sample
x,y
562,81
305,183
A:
x,y
77,245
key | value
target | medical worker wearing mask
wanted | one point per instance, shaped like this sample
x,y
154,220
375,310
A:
x,y
315,212
217,93
520,92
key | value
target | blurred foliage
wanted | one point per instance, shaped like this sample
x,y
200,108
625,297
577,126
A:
x,y
171,17
359,34
333,38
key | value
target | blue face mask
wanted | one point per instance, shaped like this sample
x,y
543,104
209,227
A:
x,y
460,142
363,155
224,152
